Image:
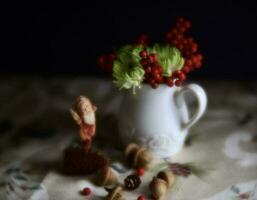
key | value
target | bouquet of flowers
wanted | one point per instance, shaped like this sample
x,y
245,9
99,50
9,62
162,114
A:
x,y
168,63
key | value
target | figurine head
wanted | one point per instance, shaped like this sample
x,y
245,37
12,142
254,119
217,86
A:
x,y
84,110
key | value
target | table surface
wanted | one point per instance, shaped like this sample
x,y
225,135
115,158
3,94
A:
x,y
35,127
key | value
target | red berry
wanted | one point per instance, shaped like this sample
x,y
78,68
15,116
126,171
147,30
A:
x,y
199,56
196,59
154,85
142,39
175,42
155,71
141,197
182,77
140,171
187,53
157,76
194,47
169,82
176,73
144,62
148,69
160,69
187,24
186,69
198,64
101,60
168,36
180,20
111,57
143,54
189,62
160,79
174,31
178,83
181,29
180,46
190,40
152,58
179,36
86,191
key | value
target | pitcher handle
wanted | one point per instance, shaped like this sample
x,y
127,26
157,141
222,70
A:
x,y
201,103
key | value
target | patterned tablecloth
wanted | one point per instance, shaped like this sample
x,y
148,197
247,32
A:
x,y
35,127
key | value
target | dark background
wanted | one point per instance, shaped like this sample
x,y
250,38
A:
x,y
65,38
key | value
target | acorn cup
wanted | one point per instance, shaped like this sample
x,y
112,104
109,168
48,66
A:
x,y
115,194
167,176
160,184
138,157
105,176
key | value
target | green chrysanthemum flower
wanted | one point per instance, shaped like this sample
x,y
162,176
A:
x,y
127,70
169,58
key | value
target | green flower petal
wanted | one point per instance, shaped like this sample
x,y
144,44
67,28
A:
x,y
127,71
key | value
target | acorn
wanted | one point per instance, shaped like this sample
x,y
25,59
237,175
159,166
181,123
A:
x,y
105,176
138,157
115,194
158,188
167,176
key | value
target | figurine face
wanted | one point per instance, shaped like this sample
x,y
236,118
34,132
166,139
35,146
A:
x,y
89,118
87,111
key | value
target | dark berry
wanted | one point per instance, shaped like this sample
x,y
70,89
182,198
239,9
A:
x,y
186,69
141,197
178,83
153,57
169,82
143,62
143,54
140,171
148,69
182,76
86,191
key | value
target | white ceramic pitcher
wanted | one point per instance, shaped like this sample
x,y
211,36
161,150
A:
x,y
159,118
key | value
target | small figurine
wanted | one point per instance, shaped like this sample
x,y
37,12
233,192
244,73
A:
x,y
83,112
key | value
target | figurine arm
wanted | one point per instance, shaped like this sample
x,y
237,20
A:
x,y
75,116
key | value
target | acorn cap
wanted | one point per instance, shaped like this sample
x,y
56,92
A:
x,y
105,176
167,176
116,194
143,158
131,148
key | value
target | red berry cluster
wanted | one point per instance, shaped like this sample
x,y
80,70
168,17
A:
x,y
188,47
105,62
153,71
